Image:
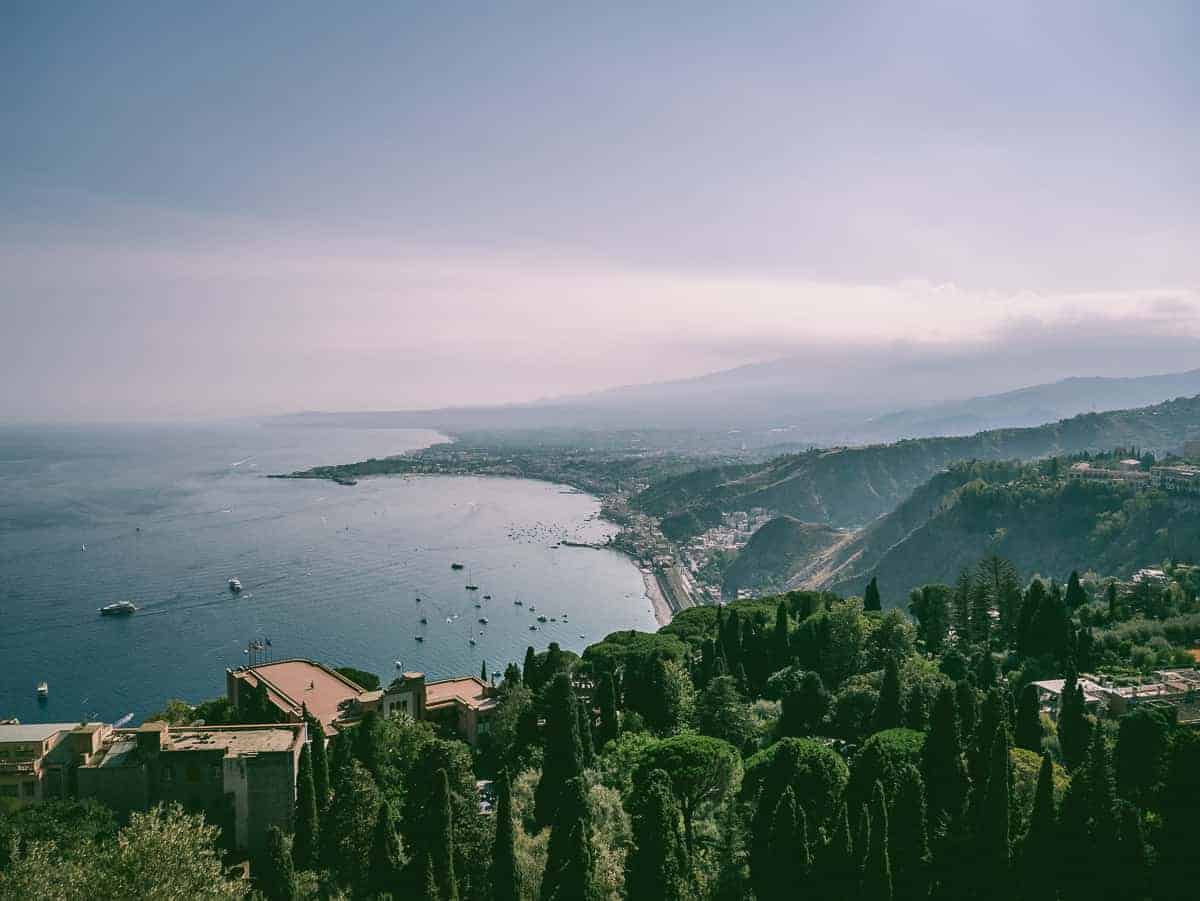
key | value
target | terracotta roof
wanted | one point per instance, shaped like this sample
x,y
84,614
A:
x,y
470,691
292,683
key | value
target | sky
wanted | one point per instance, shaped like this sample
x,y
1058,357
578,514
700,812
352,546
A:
x,y
229,209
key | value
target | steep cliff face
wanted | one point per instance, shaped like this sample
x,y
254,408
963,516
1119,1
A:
x,y
777,553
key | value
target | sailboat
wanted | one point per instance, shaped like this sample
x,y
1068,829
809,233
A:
x,y
471,586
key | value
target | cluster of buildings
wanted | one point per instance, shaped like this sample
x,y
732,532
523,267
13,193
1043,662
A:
x,y
1177,690
1180,478
243,778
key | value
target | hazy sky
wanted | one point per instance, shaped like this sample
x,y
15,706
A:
x,y
212,209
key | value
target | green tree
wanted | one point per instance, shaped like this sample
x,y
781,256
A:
x,y
504,876
1038,854
781,649
994,826
942,766
277,877
439,827
930,605
306,843
587,751
1074,726
1143,742
348,828
383,874
320,760
569,866
66,824
1076,596
1029,720
722,712
529,671
657,864
563,759
609,724
871,599
1178,864
483,672
966,701
889,712
789,853
877,872
837,866
908,842
804,709
361,677
702,769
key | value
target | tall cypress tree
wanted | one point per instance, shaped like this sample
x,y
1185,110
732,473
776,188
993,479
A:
x,y
889,710
993,716
609,726
967,704
1178,862
277,876
657,863
1076,596
562,760
961,604
441,827
383,875
871,599
1037,858
529,670
837,866
907,842
1131,872
1029,720
788,850
306,838
781,652
586,749
993,824
759,842
504,876
483,673
877,872
1074,728
942,765
568,874
320,760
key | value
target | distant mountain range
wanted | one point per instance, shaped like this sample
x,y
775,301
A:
x,y
794,403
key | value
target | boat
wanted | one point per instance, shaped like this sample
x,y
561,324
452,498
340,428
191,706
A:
x,y
487,597
554,619
532,627
517,603
419,637
399,665
471,641
542,618
456,566
424,621
483,620
43,690
418,600
235,585
472,587
120,608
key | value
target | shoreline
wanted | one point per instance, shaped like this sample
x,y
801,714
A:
x,y
662,610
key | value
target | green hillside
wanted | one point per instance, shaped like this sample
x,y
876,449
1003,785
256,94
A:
x,y
848,487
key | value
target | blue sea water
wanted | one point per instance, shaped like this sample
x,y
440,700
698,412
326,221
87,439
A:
x,y
165,515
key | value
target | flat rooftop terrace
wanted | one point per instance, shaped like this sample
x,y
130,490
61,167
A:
x,y
234,742
303,682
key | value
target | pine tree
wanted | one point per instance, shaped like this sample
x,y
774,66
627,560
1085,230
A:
x,y
384,871
1029,720
657,864
609,727
980,615
562,760
504,876
587,751
871,599
942,765
277,877
306,838
320,761
877,872
568,875
889,710
908,840
1037,859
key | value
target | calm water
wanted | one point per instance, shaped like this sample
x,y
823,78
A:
x,y
166,515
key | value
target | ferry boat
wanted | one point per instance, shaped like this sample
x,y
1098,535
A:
x,y
235,585
120,608
43,690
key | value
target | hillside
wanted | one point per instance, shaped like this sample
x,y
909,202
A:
x,y
849,487
774,554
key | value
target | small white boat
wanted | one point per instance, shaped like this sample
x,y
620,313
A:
x,y
419,637
483,620
399,665
235,585
43,690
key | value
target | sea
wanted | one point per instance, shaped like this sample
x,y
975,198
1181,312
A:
x,y
165,515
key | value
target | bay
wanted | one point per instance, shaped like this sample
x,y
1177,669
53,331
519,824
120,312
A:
x,y
164,515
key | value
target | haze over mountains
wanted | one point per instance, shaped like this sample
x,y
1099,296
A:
x,y
801,401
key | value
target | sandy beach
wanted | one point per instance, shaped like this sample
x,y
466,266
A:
x,y
662,610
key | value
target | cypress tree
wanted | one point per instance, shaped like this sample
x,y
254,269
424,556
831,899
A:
x,y
889,710
504,875
962,605
994,829
306,838
1029,720
609,727
781,653
759,842
384,871
877,872
320,760
871,600
992,717
1077,850
341,760
1131,873
916,707
568,875
529,670
562,760
277,878
1178,863
426,879
1034,598
483,673
657,863
1076,596
1036,862
942,765
441,828
1074,728
838,866
587,751
967,703
908,842
367,745
788,850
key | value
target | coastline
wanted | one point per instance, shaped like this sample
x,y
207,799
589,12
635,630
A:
x,y
662,610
